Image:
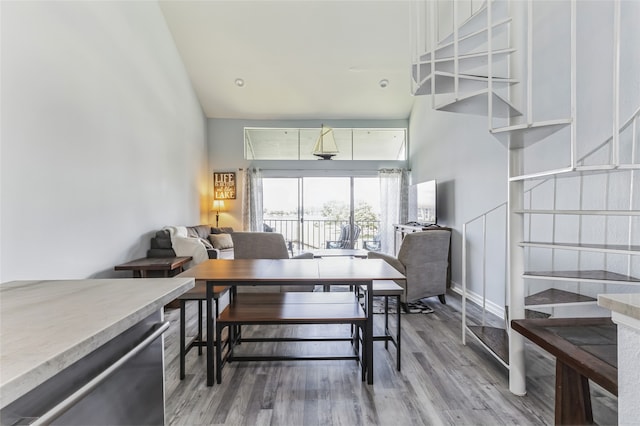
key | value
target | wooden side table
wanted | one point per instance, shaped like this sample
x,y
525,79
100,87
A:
x,y
141,267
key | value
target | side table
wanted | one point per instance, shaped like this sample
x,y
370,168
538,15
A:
x,y
141,267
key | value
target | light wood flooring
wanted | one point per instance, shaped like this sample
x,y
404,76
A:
x,y
441,382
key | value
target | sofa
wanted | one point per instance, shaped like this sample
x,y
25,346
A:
x,y
201,242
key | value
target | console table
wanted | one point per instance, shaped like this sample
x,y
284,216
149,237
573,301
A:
x,y
168,265
403,229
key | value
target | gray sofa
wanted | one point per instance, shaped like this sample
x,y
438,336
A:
x,y
199,241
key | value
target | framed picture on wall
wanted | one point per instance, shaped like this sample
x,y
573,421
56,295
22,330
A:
x,y
224,185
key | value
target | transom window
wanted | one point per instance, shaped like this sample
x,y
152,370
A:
x,y
297,144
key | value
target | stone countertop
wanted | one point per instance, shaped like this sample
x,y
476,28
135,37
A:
x,y
45,326
624,304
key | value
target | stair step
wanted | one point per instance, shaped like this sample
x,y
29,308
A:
x,y
531,314
477,22
495,339
553,296
480,57
527,134
477,104
472,44
595,276
445,83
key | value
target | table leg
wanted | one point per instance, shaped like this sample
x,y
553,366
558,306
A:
x,y
183,326
398,333
573,399
386,321
210,372
368,343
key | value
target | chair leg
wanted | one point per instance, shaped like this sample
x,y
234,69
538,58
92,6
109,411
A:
x,y
442,299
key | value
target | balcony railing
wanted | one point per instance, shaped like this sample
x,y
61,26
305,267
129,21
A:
x,y
314,234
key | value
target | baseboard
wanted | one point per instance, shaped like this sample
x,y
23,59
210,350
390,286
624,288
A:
x,y
476,299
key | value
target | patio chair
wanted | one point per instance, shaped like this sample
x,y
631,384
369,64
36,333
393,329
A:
x,y
345,241
372,245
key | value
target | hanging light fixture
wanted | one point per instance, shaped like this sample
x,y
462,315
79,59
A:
x,y
325,147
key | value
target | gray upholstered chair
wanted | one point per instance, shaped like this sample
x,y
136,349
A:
x,y
264,245
423,259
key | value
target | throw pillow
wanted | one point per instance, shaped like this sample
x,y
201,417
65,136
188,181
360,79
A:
x,y
221,241
206,243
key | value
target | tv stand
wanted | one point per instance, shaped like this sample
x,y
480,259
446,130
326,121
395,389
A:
x,y
403,229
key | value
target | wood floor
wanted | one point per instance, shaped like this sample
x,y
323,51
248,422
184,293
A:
x,y
441,382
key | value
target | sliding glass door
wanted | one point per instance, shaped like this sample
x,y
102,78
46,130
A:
x,y
324,212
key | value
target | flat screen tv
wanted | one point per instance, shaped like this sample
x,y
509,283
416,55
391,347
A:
x,y
426,203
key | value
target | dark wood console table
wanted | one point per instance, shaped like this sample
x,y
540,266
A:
x,y
585,348
141,267
401,230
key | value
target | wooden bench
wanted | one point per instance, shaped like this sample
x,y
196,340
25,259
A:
x,y
288,308
585,349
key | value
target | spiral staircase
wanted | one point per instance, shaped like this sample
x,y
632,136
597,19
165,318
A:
x,y
564,244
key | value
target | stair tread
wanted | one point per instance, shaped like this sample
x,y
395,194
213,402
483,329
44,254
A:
x,y
597,275
556,296
467,104
617,247
494,338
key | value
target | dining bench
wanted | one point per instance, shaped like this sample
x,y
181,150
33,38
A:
x,y
288,308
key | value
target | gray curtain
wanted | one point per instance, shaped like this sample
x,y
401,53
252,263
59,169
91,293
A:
x,y
252,200
394,199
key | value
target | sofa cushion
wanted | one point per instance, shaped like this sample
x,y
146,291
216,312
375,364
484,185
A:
x,y
198,231
221,241
221,230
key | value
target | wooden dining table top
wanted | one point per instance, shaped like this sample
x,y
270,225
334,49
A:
x,y
298,270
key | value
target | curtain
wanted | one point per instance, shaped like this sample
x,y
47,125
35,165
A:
x,y
252,200
394,200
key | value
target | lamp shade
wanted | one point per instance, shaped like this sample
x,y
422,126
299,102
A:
x,y
218,205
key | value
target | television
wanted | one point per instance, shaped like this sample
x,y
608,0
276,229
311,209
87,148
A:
x,y
426,203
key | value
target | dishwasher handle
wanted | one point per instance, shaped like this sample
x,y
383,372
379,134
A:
x,y
72,399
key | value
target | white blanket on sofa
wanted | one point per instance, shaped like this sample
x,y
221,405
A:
x,y
187,246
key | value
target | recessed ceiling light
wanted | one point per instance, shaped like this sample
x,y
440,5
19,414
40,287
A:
x,y
239,82
384,83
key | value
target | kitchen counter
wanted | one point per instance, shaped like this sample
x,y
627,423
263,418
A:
x,y
623,304
46,326
625,312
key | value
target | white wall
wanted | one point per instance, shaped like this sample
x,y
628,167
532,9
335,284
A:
x,y
103,139
471,169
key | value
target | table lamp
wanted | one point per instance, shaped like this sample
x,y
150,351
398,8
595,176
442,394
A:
x,y
218,206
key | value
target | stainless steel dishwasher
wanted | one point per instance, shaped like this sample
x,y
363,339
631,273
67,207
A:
x,y
120,383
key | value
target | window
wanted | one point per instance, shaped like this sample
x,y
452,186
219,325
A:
x,y
297,144
311,211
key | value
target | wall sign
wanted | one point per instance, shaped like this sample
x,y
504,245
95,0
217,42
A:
x,y
224,186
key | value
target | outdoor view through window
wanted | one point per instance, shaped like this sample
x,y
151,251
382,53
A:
x,y
311,212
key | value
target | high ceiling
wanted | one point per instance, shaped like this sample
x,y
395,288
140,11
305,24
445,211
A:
x,y
299,59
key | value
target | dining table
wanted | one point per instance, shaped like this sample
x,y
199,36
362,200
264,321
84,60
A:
x,y
285,272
